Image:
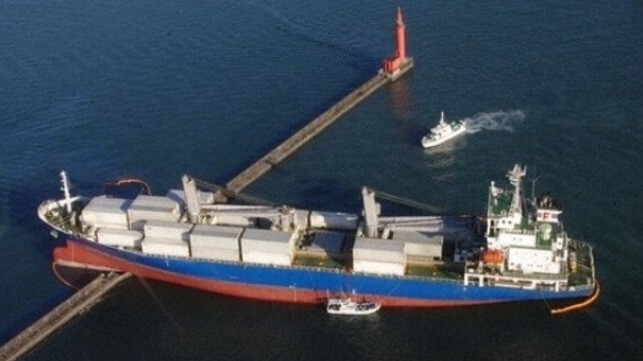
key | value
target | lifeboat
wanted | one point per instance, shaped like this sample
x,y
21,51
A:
x,y
495,257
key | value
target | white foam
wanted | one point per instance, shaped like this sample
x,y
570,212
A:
x,y
499,120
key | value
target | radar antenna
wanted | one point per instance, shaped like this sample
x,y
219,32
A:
x,y
65,188
533,188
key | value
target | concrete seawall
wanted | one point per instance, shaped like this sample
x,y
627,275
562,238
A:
x,y
316,126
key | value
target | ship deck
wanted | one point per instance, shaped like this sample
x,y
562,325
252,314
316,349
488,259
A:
x,y
436,271
431,270
583,275
320,261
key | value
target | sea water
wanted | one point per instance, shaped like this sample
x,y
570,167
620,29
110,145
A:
x,y
156,89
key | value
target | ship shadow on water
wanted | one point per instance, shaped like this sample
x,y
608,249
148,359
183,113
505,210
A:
x,y
184,323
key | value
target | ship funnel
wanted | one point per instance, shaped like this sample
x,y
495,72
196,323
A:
x,y
515,178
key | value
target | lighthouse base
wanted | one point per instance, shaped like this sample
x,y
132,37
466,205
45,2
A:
x,y
404,67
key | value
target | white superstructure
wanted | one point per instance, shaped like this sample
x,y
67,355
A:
x,y
526,244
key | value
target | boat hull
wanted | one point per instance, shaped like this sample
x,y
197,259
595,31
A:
x,y
427,143
292,284
351,309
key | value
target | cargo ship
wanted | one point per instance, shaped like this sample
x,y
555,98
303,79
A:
x,y
518,251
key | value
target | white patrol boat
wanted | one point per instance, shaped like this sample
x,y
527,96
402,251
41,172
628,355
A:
x,y
443,132
347,306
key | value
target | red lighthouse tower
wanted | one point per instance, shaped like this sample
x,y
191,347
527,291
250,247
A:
x,y
392,65
400,35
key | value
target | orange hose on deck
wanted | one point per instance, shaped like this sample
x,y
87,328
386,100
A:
x,y
577,306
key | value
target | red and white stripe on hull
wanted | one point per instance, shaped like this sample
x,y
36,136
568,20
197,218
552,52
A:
x,y
77,256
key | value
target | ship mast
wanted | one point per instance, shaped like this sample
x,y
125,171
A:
x,y
515,178
533,190
65,189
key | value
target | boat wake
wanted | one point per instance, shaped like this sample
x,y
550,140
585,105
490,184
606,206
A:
x,y
499,120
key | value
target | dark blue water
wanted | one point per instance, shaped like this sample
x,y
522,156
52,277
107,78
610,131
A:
x,y
161,88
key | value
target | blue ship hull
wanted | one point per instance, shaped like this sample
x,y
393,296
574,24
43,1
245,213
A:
x,y
296,284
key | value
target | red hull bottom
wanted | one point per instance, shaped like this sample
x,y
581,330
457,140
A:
x,y
77,256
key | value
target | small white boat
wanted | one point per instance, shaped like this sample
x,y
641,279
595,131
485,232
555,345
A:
x,y
346,306
443,132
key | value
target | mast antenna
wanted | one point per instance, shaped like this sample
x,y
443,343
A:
x,y
533,187
65,189
515,178
533,180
